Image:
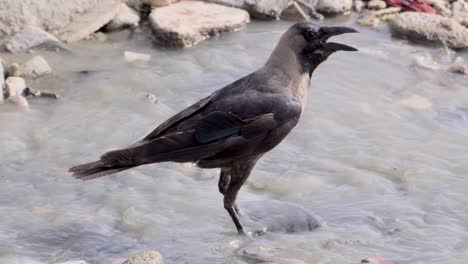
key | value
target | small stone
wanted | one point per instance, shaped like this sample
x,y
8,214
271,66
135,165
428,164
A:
x,y
358,5
461,68
334,6
131,56
14,70
189,22
158,3
32,37
429,27
146,257
376,4
36,67
126,18
14,86
19,101
416,102
426,62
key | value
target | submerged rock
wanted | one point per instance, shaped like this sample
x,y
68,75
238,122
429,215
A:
x,y
417,102
32,38
277,216
189,22
333,7
36,67
146,257
14,86
126,18
430,27
19,101
89,22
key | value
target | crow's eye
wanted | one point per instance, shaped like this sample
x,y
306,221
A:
x,y
310,34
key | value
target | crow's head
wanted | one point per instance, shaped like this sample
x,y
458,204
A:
x,y
309,41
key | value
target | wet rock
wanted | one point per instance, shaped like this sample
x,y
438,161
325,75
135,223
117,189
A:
x,y
32,38
136,57
158,3
462,18
264,9
14,70
89,22
189,22
36,67
358,5
334,6
277,216
440,6
14,86
430,27
459,66
308,6
146,257
19,101
376,4
256,252
416,102
459,6
126,18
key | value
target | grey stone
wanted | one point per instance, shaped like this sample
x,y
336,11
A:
x,y
14,70
430,27
189,22
32,38
14,86
36,67
126,18
264,9
90,21
333,7
376,4
277,216
358,5
146,257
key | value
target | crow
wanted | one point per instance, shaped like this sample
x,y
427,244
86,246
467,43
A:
x,y
235,126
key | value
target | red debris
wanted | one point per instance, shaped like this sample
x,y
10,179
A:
x,y
413,5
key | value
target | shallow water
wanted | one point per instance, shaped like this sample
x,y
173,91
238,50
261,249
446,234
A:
x,y
386,179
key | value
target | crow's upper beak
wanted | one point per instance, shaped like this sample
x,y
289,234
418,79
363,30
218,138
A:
x,y
333,31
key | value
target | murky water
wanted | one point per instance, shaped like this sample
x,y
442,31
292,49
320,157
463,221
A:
x,y
387,178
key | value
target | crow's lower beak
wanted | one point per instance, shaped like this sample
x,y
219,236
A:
x,y
334,31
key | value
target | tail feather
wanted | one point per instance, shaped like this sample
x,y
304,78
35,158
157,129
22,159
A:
x,y
94,170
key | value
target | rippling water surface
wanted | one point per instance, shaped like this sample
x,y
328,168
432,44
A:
x,y
387,177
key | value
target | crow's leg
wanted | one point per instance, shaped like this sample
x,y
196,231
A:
x,y
224,180
239,173
223,184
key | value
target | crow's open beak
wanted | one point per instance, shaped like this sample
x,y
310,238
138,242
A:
x,y
334,31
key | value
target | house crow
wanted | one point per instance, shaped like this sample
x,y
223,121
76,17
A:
x,y
234,126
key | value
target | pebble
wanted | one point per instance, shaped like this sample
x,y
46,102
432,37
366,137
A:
x,y
131,56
